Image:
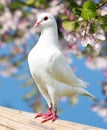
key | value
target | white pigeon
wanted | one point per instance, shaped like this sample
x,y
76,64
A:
x,y
50,69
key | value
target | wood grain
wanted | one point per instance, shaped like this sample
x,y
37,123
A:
x,y
11,119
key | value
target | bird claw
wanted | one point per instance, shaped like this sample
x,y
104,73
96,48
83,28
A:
x,y
39,115
48,114
52,117
47,119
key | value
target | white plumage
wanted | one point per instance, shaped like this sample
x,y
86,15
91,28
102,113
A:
x,y
50,69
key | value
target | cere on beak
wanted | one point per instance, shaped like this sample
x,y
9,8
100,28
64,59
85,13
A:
x,y
37,24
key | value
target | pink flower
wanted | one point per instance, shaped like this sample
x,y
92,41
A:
x,y
95,108
85,41
103,11
71,37
91,40
2,44
71,17
100,35
97,63
102,112
105,72
67,12
8,71
97,46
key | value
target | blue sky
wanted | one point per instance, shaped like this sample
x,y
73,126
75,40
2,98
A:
x,y
11,94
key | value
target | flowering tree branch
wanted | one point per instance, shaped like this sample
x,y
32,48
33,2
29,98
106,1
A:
x,y
102,4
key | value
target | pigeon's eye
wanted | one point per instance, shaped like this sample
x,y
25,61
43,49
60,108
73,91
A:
x,y
45,18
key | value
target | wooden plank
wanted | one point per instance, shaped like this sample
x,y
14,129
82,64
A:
x,y
4,128
18,120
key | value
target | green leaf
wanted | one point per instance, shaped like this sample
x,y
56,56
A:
x,y
72,4
1,26
19,62
70,26
29,95
37,4
93,28
15,5
28,83
88,10
104,26
74,7
29,2
8,39
41,3
3,59
102,19
103,22
19,33
77,11
63,17
1,7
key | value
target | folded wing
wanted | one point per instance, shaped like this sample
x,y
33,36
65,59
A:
x,y
61,71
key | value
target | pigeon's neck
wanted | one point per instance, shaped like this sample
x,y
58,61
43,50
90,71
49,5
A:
x,y
49,36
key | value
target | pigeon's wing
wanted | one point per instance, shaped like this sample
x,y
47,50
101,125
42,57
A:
x,y
61,71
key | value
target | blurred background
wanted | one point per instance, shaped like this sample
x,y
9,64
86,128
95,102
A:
x,y
82,26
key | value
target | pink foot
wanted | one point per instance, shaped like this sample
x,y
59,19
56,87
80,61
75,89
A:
x,y
49,113
52,117
47,119
39,115
55,116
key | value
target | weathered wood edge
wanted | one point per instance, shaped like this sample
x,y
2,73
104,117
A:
x,y
11,119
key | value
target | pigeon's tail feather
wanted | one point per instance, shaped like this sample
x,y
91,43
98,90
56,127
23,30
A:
x,y
85,93
83,83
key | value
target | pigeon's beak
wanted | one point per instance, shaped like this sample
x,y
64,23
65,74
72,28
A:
x,y
37,24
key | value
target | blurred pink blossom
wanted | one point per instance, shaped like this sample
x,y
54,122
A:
x,y
96,63
63,99
95,108
9,70
105,72
103,10
2,44
85,41
71,37
101,109
102,112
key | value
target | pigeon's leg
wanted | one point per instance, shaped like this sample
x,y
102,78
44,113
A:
x,y
55,116
54,98
49,112
47,98
52,117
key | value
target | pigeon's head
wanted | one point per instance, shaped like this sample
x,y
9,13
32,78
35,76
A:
x,y
45,20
